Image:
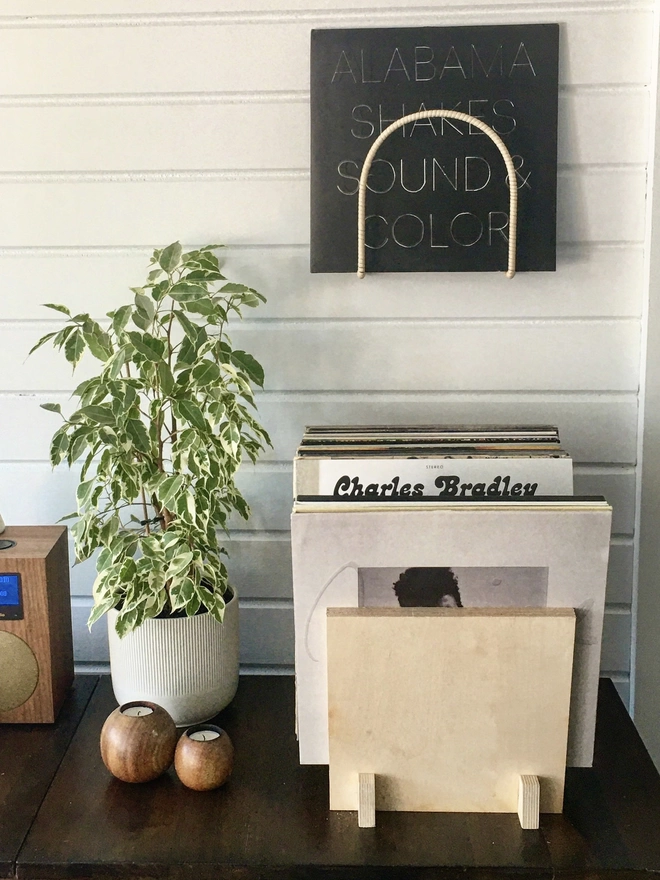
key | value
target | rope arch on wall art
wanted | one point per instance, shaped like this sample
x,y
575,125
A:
x,y
430,114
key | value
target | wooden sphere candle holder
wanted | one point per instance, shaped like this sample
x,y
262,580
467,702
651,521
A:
x,y
138,741
204,757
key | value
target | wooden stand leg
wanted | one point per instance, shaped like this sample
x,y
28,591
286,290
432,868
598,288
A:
x,y
367,800
529,793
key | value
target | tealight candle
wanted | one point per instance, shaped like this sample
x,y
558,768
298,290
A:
x,y
138,741
204,757
204,735
136,710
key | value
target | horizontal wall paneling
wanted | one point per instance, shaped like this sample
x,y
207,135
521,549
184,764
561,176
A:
x,y
33,494
259,131
594,428
39,13
143,122
604,204
267,637
590,281
394,356
158,59
259,567
266,634
615,653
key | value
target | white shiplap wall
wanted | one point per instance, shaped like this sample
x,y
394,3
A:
x,y
139,123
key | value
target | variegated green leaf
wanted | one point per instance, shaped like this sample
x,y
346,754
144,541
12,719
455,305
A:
x,y
169,488
206,373
152,348
58,308
189,411
170,257
249,365
52,407
74,347
138,434
43,340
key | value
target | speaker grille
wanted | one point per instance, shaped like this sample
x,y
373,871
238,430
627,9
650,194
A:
x,y
19,671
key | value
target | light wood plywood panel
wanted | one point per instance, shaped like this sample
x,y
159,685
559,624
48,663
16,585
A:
x,y
590,281
266,636
268,132
594,428
448,707
272,54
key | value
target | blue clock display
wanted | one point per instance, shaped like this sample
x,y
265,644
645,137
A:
x,y
10,595
9,589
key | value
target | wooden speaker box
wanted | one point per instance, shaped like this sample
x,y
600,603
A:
x,y
36,645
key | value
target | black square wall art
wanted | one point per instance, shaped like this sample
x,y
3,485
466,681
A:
x,y
437,193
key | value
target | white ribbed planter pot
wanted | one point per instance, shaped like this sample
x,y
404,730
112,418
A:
x,y
187,665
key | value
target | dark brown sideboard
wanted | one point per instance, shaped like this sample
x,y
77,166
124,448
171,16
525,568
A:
x,y
63,816
29,757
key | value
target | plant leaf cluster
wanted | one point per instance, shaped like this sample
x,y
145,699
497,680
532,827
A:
x,y
160,430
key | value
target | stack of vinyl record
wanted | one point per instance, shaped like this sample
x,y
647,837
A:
x,y
450,461
453,517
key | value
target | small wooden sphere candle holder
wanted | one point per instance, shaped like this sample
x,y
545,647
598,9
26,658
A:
x,y
138,741
204,757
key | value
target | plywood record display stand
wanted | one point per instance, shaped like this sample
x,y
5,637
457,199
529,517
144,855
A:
x,y
449,709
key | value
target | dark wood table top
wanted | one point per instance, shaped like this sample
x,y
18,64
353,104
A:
x,y
29,757
271,820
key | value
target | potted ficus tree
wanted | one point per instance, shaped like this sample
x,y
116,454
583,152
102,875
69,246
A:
x,y
160,431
